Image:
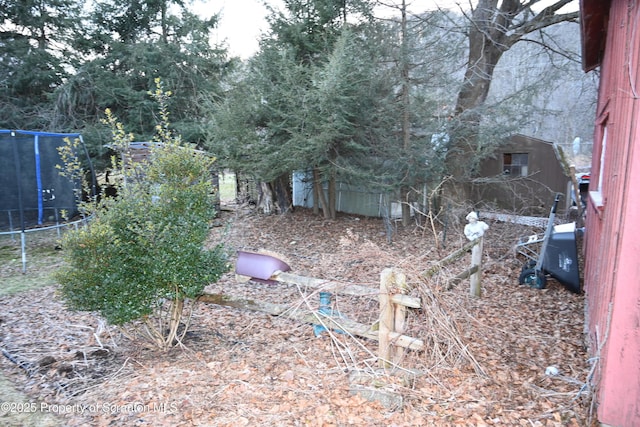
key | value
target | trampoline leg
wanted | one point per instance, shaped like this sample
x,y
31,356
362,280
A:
x,y
13,237
57,222
24,252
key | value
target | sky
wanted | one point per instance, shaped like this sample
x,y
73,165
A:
x,y
242,21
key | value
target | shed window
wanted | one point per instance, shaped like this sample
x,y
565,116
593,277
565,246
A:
x,y
515,164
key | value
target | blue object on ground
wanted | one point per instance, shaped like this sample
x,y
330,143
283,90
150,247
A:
x,y
325,309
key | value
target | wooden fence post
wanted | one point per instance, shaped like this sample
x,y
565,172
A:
x,y
386,322
393,318
399,313
476,261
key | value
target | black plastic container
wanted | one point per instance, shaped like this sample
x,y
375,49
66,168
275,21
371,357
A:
x,y
561,257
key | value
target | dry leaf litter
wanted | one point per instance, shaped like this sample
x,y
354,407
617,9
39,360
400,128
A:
x,y
485,361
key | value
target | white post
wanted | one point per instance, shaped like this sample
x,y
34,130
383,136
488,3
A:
x,y
475,230
476,260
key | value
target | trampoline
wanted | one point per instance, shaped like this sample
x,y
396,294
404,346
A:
x,y
33,194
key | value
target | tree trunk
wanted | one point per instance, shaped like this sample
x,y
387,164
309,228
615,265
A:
x,y
275,196
405,204
319,191
493,29
332,195
265,200
283,196
485,50
406,116
174,322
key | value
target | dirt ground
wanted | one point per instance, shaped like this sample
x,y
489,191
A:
x,y
486,361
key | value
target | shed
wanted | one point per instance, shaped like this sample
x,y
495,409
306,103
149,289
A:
x,y
611,41
523,175
350,198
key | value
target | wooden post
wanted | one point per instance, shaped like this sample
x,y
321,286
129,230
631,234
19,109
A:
x,y
386,323
393,318
476,260
400,314
576,191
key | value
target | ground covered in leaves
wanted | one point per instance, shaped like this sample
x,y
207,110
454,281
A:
x,y
513,357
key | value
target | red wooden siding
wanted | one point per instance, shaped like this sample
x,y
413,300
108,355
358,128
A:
x,y
612,243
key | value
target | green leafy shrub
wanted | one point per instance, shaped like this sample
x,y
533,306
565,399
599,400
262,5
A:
x,y
144,253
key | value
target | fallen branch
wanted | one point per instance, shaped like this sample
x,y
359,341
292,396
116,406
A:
x,y
24,365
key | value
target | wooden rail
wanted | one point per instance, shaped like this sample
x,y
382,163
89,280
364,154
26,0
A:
x,y
388,331
474,272
392,296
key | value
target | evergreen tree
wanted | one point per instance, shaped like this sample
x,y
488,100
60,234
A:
x,y
130,44
142,260
340,116
35,50
284,77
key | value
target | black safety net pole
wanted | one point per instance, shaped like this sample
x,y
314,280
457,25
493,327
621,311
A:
x,y
94,183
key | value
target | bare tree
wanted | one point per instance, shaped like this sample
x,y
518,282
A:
x,y
494,26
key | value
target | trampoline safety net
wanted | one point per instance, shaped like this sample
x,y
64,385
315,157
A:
x,y
32,191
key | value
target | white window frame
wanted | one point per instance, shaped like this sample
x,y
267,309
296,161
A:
x,y
597,194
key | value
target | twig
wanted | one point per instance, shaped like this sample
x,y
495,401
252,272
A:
x,y
27,367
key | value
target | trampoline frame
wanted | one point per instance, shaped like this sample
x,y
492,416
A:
x,y
23,235
21,228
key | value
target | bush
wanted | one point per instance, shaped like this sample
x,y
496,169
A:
x,y
144,252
